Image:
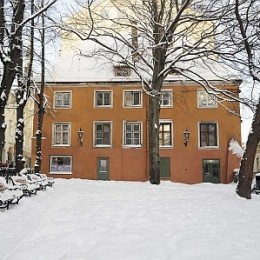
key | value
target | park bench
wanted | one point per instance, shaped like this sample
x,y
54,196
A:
x,y
28,187
37,179
9,194
50,180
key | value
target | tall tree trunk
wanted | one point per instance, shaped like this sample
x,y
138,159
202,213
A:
x,y
41,105
38,160
9,59
2,131
247,163
153,123
19,141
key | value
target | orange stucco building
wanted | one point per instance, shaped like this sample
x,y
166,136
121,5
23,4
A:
x,y
114,145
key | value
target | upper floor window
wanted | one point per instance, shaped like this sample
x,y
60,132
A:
x,y
103,98
165,134
62,99
122,71
208,135
206,100
132,134
166,98
132,98
61,134
102,134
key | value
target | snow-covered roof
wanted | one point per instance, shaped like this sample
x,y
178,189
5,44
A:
x,y
71,67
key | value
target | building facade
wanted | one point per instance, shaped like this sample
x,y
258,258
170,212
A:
x,y
11,121
98,130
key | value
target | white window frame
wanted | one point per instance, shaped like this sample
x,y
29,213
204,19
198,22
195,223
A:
x,y
54,141
132,132
96,99
169,94
94,133
171,132
208,99
217,135
62,100
132,105
58,168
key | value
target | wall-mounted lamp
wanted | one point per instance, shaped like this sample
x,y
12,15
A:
x,y
186,136
80,136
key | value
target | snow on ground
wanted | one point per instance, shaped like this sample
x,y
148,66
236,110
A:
x,y
96,220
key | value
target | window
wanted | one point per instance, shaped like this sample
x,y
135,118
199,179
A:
x,y
103,99
122,71
208,135
102,134
206,100
211,170
61,134
166,98
62,99
132,134
61,164
132,98
165,134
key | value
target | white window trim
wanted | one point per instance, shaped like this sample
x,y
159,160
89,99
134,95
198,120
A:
x,y
69,137
62,107
94,134
103,106
171,100
198,100
208,147
169,122
57,172
141,135
133,106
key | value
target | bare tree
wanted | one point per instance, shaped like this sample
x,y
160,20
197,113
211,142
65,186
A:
x,y
239,47
23,93
155,39
12,22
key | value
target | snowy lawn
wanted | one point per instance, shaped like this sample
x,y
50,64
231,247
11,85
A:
x,y
95,220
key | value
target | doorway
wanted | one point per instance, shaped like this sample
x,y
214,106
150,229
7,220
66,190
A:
x,y
103,168
165,167
211,170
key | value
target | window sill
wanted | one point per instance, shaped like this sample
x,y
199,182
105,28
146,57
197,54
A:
x,y
139,106
97,107
132,146
67,173
166,147
102,146
60,145
209,148
170,106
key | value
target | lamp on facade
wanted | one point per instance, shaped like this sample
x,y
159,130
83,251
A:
x,y
186,136
80,135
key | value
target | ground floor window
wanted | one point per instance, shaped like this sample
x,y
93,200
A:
x,y
61,164
211,170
